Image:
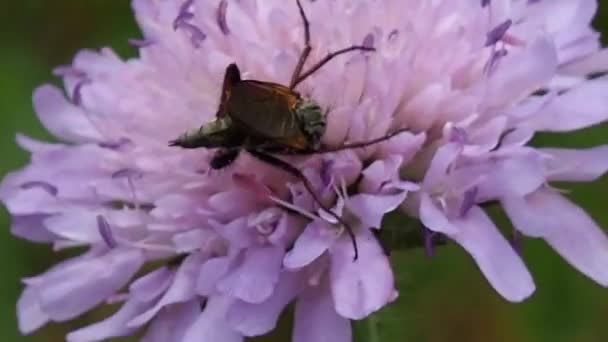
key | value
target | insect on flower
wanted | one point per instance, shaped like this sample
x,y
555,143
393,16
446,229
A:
x,y
267,119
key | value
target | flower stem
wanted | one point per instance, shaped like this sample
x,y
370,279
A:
x,y
372,329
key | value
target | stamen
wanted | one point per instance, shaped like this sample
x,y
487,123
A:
x,y
77,93
184,13
429,245
140,43
294,208
326,172
105,231
52,190
182,21
221,17
516,241
496,57
497,33
485,3
458,135
368,41
115,145
393,35
469,200
68,71
196,35
127,173
130,175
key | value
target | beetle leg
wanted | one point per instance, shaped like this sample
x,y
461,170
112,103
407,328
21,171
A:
x,y
224,157
305,53
298,174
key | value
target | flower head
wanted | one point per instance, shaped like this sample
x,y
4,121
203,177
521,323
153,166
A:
x,y
472,81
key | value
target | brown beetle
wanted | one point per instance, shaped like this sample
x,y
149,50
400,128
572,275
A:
x,y
267,119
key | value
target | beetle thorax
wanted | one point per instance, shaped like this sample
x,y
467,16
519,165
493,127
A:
x,y
311,120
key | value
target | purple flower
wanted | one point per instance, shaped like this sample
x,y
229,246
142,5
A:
x,y
472,81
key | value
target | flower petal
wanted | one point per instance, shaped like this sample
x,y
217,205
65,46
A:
x,y
29,313
211,324
566,227
434,218
519,75
113,326
63,119
150,286
316,319
499,263
576,165
363,286
259,319
211,272
254,280
582,106
173,322
370,209
72,288
310,245
182,289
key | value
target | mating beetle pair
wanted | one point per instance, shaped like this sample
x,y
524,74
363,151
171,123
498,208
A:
x,y
268,119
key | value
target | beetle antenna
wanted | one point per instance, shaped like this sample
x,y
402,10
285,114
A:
x,y
347,146
327,59
361,144
298,77
298,174
307,48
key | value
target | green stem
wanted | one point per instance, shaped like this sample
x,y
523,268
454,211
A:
x,y
372,329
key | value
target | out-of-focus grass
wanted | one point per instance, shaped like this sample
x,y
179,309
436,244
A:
x,y
442,299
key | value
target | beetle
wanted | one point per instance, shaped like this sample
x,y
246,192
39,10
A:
x,y
268,119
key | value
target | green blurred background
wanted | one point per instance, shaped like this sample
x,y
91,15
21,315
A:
x,y
442,299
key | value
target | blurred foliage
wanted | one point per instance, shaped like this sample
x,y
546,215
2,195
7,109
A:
x,y
441,299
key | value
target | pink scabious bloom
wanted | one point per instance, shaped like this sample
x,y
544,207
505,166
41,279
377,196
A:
x,y
472,80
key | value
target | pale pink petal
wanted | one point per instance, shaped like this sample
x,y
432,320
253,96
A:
x,y
566,227
211,325
406,145
363,286
580,107
596,62
63,119
576,165
433,217
311,244
316,319
113,326
496,259
173,322
379,173
29,313
523,73
211,272
69,290
31,227
370,209
443,158
515,173
182,289
255,279
152,285
259,319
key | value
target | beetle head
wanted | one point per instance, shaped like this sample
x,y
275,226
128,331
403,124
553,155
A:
x,y
312,120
